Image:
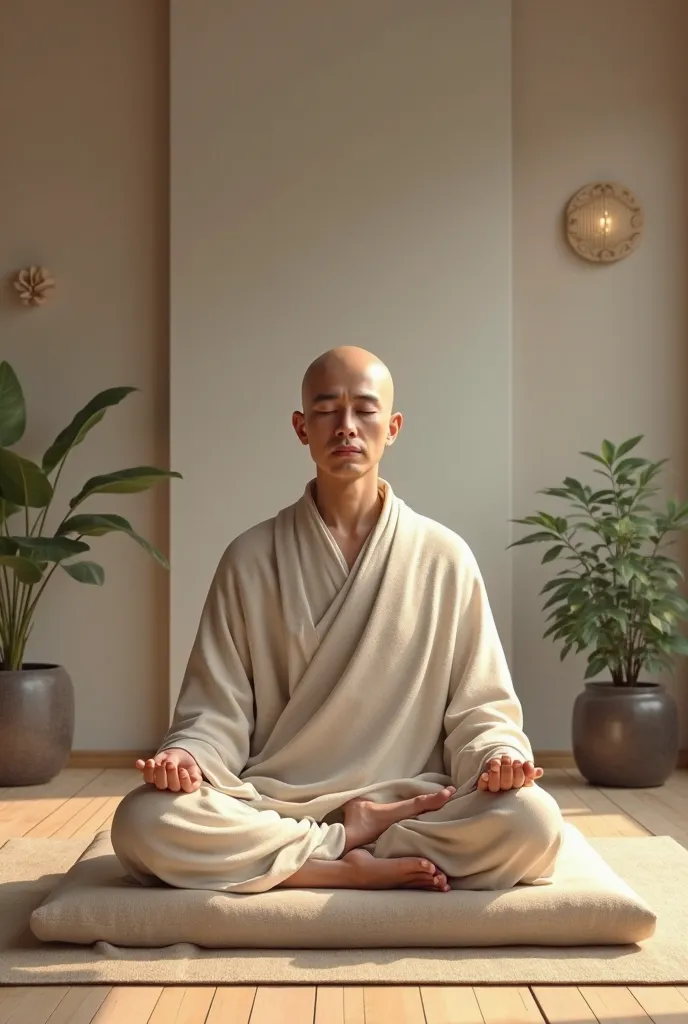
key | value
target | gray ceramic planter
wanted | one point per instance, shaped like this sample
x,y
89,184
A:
x,y
36,724
625,735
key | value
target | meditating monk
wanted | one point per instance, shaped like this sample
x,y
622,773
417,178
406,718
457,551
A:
x,y
347,718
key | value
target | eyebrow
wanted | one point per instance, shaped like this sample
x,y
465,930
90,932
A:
x,y
365,396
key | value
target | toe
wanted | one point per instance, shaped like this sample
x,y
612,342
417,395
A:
x,y
426,867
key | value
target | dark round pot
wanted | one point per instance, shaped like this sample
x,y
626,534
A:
x,y
625,735
36,724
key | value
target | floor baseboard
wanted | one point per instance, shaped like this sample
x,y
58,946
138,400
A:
x,y
106,758
127,758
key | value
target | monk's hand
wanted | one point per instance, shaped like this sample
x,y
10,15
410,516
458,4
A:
x,y
505,773
174,769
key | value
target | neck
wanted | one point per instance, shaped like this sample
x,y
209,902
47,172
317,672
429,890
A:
x,y
348,506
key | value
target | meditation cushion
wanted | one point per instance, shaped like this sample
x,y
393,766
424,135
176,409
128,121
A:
x,y
586,904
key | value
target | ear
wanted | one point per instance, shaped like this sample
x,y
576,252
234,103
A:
x,y
395,424
298,422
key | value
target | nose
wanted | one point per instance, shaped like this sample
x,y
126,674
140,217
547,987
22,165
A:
x,y
346,426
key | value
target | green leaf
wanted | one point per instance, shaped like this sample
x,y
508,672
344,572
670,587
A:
x,y
596,665
629,445
12,407
25,570
590,631
95,525
23,482
82,423
679,644
577,488
123,481
552,553
591,455
7,509
554,599
671,603
559,582
533,538
618,615
624,568
608,452
651,471
529,521
49,549
669,564
603,497
556,630
555,492
564,651
85,572
657,623
627,464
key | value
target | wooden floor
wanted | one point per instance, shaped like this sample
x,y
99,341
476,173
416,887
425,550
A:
x,y
81,801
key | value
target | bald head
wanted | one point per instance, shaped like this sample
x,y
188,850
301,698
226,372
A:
x,y
347,419
344,369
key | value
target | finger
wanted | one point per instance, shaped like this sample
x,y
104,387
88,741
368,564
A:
x,y
482,781
173,782
188,781
495,782
519,777
149,771
532,772
507,773
161,776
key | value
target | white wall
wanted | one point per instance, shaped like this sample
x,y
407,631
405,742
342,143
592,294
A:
x,y
600,92
83,172
341,173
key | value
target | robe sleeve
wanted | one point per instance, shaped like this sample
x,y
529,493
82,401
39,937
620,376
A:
x,y
484,717
214,715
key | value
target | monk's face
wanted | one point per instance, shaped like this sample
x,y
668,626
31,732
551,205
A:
x,y
347,419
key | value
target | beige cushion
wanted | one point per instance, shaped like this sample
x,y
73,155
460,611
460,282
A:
x,y
586,904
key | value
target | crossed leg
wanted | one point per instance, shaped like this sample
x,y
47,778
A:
x,y
208,840
484,840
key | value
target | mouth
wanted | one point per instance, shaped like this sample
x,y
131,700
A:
x,y
345,451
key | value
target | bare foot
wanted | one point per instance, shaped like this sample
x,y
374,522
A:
x,y
365,821
368,872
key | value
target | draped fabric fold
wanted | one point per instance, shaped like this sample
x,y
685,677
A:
x,y
309,684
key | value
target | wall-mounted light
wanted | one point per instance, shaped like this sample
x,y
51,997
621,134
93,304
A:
x,y
604,222
34,285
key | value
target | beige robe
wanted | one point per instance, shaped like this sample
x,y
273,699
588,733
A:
x,y
309,684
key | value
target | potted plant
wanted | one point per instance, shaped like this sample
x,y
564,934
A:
x,y
37,699
619,598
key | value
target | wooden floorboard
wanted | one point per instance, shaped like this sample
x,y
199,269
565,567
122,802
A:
x,y
81,801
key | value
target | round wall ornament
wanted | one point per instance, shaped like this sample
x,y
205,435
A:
x,y
604,222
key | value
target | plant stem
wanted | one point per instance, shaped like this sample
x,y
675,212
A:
x,y
26,596
40,519
29,611
576,552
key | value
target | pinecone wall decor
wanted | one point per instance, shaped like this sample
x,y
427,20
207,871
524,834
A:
x,y
34,285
